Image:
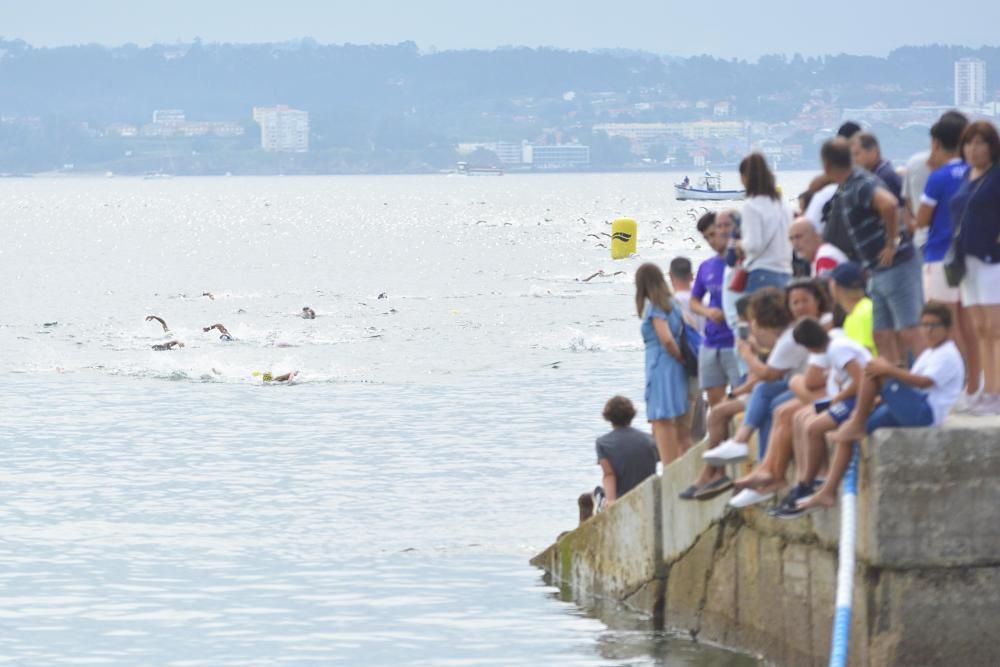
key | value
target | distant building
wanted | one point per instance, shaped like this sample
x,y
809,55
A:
x,y
168,123
283,129
559,156
970,83
168,117
509,153
644,135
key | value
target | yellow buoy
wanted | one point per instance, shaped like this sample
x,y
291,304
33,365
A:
x,y
622,238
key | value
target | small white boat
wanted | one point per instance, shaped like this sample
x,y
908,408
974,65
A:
x,y
709,189
465,169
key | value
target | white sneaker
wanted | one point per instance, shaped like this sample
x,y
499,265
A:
x,y
966,403
748,497
725,453
987,406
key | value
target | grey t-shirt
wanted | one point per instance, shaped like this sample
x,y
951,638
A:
x,y
632,456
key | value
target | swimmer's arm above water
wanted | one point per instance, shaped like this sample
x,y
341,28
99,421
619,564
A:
x,y
150,318
222,329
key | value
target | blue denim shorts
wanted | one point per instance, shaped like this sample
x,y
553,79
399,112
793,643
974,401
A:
x,y
841,410
901,405
897,295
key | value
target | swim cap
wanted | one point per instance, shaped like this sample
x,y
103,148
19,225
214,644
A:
x,y
267,377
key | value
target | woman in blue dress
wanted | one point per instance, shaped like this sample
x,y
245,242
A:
x,y
666,378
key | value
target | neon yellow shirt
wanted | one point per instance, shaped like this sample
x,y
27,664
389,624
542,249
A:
x,y
858,324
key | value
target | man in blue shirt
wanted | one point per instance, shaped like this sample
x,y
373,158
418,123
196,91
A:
x,y
934,214
867,154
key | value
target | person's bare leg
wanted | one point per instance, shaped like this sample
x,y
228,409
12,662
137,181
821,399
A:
x,y
885,344
717,427
743,433
801,441
665,435
966,340
683,426
715,395
816,431
719,419
992,328
770,470
981,332
854,428
827,494
667,442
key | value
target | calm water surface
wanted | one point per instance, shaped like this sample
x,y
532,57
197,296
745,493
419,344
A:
x,y
168,508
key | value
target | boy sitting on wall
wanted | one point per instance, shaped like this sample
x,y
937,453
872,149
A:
x,y
892,397
627,456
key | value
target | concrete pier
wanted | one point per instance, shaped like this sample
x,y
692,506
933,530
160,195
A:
x,y
926,582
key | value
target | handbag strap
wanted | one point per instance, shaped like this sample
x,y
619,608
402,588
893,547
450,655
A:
x,y
965,210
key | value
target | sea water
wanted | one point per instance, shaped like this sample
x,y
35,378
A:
x,y
172,508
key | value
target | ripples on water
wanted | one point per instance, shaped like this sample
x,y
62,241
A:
x,y
379,511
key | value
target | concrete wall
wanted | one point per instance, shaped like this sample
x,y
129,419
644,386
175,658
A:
x,y
615,553
926,585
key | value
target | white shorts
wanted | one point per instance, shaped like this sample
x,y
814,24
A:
x,y
936,287
979,287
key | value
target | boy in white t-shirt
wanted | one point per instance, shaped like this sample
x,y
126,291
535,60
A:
x,y
922,396
844,361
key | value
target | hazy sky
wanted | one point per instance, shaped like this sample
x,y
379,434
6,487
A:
x,y
726,28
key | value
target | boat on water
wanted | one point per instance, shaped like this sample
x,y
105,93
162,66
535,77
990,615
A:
x,y
465,169
709,188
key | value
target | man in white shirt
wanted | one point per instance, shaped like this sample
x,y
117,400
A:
x,y
814,212
922,396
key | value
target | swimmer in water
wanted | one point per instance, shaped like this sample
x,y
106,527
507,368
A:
x,y
169,345
308,313
225,335
266,376
150,318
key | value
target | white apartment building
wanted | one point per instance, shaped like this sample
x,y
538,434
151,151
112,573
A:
x,y
970,83
168,117
283,129
559,156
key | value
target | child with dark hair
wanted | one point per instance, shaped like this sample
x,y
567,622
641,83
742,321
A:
x,y
894,397
844,361
627,456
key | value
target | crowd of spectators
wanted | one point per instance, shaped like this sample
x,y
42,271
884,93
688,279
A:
x,y
876,305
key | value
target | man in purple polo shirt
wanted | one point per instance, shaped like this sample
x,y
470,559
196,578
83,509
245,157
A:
x,y
717,367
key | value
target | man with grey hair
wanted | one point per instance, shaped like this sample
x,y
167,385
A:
x,y
809,245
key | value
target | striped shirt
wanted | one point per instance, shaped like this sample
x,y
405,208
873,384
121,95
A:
x,y
856,212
